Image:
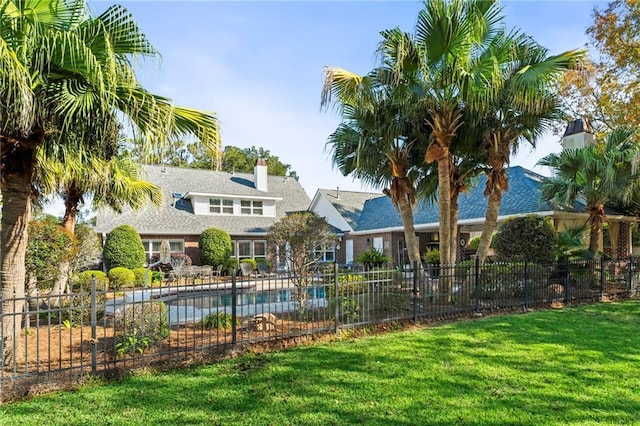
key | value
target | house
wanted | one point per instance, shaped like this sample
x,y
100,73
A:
x,y
370,220
244,205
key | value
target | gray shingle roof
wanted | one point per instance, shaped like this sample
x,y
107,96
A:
x,y
180,219
348,203
523,197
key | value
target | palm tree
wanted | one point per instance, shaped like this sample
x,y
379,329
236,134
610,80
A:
x,y
377,142
60,67
523,110
74,172
598,174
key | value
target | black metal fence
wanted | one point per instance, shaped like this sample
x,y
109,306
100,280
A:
x,y
95,330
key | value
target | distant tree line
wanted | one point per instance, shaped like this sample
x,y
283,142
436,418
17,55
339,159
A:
x,y
194,155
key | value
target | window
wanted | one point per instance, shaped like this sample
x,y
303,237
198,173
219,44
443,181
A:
x,y
220,206
249,249
152,247
325,254
250,207
244,249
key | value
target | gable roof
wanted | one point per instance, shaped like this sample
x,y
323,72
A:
x,y
378,212
175,215
348,204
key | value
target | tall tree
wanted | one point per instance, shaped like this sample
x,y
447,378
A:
x,y
381,137
451,38
524,108
243,160
598,174
61,66
606,90
299,237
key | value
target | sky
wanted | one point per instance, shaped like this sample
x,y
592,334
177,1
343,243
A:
x,y
259,65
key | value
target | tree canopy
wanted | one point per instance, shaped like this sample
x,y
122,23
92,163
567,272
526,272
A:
x,y
180,153
606,91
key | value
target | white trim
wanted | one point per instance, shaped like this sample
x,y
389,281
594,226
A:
x,y
230,196
433,226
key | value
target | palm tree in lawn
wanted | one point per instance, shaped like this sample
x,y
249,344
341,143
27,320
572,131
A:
x,y
524,108
74,172
451,37
377,141
597,174
60,66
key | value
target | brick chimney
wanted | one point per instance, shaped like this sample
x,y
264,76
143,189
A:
x,y
260,175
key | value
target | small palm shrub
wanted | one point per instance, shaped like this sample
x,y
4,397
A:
x,y
372,258
218,320
120,277
432,256
140,325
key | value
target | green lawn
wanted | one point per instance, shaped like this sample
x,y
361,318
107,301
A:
x,y
571,366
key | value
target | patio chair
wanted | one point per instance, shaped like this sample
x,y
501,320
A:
x,y
217,273
263,269
246,269
206,271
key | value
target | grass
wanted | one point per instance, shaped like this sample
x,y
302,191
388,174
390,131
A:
x,y
571,366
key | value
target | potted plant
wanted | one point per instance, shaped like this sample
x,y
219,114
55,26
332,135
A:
x,y
372,258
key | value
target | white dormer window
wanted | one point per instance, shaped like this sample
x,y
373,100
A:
x,y
220,206
251,207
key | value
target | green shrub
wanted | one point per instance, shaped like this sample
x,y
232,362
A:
x,y
139,276
218,320
157,276
474,242
139,326
76,308
120,277
82,281
232,264
123,247
372,258
432,256
530,237
348,284
214,246
48,246
464,268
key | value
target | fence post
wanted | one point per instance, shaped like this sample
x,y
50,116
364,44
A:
x,y
601,277
526,286
234,307
476,280
567,282
94,324
630,273
336,299
416,273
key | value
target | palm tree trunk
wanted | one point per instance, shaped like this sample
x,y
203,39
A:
x,y
16,214
413,248
490,224
595,224
444,204
454,226
71,203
